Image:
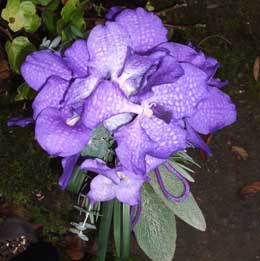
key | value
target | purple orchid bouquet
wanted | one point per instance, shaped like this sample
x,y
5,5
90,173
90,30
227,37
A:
x,y
151,98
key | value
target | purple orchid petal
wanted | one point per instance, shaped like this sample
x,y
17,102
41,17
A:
x,y
197,141
209,66
21,122
167,138
169,71
213,113
133,72
129,189
100,167
164,190
145,29
50,95
68,165
184,53
152,162
182,96
80,89
218,83
40,65
76,57
133,145
113,12
106,101
181,52
58,137
160,112
101,189
108,45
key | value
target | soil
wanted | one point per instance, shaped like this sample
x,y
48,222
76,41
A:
x,y
228,30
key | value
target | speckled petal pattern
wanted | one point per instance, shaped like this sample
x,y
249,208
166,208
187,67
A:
x,y
107,46
51,95
106,101
132,146
80,89
40,65
58,138
182,96
213,113
77,57
167,138
145,29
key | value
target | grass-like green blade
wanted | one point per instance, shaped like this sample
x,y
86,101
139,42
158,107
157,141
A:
x,y
126,231
117,227
104,230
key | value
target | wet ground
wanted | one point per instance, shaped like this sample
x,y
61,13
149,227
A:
x,y
230,31
233,223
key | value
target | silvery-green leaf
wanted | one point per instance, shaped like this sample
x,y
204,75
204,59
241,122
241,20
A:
x,y
183,157
100,144
156,228
188,210
182,170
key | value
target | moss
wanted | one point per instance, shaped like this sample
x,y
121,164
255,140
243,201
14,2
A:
x,y
26,169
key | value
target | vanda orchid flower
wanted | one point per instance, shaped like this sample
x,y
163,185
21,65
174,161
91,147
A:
x,y
154,96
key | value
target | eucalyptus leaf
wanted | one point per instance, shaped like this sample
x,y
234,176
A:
x,y
55,42
17,50
21,15
156,228
187,210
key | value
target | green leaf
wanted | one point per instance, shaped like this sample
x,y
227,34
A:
x,y
24,92
68,9
76,31
50,20
21,15
76,180
72,14
149,7
156,228
17,50
53,6
41,2
188,210
104,229
117,226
